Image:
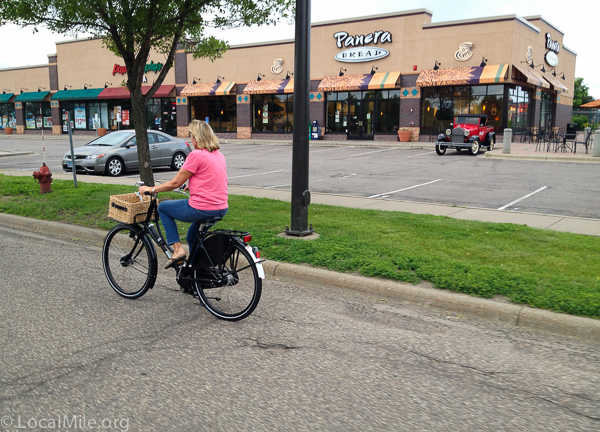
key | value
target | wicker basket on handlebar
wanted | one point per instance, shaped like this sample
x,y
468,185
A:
x,y
127,208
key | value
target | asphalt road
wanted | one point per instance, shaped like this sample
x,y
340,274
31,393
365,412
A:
x,y
559,188
309,358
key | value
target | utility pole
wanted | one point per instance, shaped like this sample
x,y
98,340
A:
x,y
300,147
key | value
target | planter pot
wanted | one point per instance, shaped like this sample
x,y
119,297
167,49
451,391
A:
x,y
101,131
8,130
404,136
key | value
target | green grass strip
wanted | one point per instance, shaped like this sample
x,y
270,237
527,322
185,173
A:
x,y
541,268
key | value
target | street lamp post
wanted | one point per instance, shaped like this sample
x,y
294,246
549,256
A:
x,y
300,148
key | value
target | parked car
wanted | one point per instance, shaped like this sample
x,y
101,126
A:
x,y
468,131
116,153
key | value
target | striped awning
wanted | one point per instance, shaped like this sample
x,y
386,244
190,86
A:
x,y
532,77
39,96
123,92
556,84
378,81
463,76
270,86
209,89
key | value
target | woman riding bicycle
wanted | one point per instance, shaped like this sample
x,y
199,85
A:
x,y
206,170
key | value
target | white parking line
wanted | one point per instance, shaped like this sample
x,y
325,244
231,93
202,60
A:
x,y
371,152
522,198
328,150
421,154
400,190
263,173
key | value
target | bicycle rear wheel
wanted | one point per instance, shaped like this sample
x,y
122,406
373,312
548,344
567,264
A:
x,y
129,261
235,289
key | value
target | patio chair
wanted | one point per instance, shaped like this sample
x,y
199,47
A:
x,y
584,141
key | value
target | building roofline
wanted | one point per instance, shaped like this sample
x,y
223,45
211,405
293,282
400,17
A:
x,y
483,20
541,18
570,50
374,17
25,67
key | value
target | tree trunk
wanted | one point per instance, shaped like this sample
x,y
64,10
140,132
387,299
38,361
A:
x,y
138,115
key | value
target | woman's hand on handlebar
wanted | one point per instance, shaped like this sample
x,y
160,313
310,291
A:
x,y
143,190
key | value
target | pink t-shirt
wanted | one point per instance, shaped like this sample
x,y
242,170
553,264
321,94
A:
x,y
208,183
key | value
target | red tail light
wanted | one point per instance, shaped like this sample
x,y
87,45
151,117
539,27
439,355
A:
x,y
257,254
248,238
187,144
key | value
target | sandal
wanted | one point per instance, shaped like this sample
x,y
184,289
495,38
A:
x,y
175,261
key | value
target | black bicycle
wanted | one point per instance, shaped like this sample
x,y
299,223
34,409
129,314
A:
x,y
222,269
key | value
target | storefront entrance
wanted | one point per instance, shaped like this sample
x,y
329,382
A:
x,y
360,119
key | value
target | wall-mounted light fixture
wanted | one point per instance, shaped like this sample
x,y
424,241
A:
x,y
40,88
106,84
259,77
529,64
65,89
287,76
543,69
85,86
342,70
22,88
483,62
219,78
373,69
437,65
554,73
194,80
4,91
563,75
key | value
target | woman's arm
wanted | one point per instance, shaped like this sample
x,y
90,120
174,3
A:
x,y
180,178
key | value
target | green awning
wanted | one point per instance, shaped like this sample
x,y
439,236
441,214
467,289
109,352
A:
x,y
32,96
5,97
71,95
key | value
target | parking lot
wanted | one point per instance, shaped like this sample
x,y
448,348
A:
x,y
560,188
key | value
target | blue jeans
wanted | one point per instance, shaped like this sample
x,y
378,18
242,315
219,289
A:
x,y
172,210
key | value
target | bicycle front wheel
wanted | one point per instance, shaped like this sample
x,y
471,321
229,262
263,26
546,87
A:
x,y
235,289
129,261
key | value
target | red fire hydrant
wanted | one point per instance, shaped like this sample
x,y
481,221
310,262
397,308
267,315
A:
x,y
44,178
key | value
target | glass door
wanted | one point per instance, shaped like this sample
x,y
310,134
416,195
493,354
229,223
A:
x,y
360,120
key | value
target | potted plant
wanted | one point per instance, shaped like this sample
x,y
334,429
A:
x,y
101,131
8,130
404,135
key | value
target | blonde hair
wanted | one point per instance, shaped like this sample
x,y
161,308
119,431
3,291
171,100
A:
x,y
205,137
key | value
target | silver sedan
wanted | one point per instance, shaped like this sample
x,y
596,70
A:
x,y
116,153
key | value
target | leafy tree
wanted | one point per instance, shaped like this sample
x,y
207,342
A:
x,y
580,93
132,28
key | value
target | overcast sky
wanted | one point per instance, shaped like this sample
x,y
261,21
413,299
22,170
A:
x,y
578,22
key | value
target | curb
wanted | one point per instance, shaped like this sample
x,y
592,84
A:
x,y
543,158
6,154
446,301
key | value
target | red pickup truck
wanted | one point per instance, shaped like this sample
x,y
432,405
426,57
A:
x,y
468,131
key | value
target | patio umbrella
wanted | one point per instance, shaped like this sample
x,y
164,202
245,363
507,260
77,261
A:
x,y
593,104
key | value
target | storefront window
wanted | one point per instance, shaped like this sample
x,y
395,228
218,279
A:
x,y
85,115
38,115
386,110
220,110
7,116
546,108
518,108
440,104
273,113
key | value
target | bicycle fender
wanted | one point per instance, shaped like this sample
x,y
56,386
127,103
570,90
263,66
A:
x,y
257,262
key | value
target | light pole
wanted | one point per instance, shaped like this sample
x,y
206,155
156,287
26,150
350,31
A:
x,y
300,147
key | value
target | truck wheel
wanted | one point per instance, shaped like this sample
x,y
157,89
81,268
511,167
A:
x,y
475,148
440,149
492,143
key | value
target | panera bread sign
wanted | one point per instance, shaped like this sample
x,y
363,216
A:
x,y
356,51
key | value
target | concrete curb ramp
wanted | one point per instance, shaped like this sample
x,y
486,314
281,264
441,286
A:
x,y
445,301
